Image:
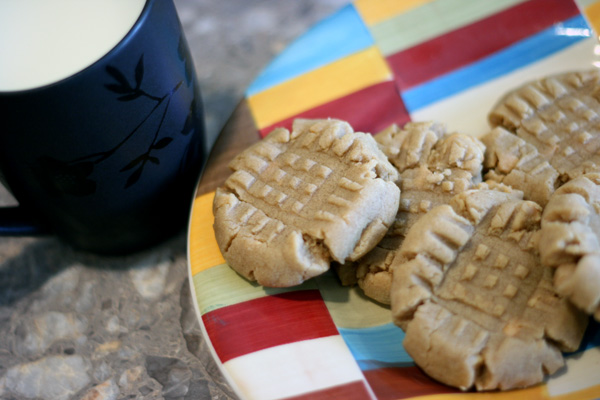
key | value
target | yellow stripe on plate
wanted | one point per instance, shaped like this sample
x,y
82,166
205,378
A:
x,y
538,392
318,87
374,11
203,249
592,13
592,392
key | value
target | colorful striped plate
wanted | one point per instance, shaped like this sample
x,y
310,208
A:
x,y
374,63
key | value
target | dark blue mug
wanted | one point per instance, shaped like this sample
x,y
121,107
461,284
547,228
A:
x,y
108,158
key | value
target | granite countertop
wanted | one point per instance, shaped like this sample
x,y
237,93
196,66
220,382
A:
x,y
74,325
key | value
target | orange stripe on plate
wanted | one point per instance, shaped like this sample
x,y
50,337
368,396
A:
x,y
538,392
374,11
320,86
204,252
349,391
592,13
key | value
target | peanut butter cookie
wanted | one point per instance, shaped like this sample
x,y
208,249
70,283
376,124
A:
x,y
298,200
477,307
570,241
556,127
434,166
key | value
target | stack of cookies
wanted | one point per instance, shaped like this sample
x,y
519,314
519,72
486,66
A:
x,y
487,250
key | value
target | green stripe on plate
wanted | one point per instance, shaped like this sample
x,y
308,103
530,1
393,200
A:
x,y
431,20
220,286
348,306
584,3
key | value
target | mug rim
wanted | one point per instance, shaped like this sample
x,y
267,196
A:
x,y
121,43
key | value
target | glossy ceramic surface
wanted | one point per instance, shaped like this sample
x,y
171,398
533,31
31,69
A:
x,y
108,158
374,63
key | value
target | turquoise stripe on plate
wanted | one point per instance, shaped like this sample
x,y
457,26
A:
x,y
381,343
525,52
335,37
371,365
591,338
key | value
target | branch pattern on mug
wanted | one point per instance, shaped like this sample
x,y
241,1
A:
x,y
73,177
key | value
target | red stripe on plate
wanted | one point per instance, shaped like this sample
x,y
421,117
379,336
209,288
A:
x,y
349,391
460,47
403,382
267,322
368,110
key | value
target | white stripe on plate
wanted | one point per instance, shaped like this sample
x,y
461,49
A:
x,y
581,372
467,111
295,368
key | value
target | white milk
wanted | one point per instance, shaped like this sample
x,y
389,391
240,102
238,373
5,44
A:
x,y
44,41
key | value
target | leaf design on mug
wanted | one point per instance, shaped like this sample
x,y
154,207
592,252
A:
x,y
133,178
140,161
139,72
182,51
190,121
129,97
60,177
162,143
195,117
73,177
132,164
122,85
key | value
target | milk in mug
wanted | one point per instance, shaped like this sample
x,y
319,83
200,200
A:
x,y
45,41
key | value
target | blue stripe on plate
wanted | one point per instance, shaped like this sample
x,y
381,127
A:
x,y
370,365
335,37
381,346
525,52
381,343
591,338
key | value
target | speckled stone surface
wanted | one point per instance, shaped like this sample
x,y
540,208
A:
x,y
75,325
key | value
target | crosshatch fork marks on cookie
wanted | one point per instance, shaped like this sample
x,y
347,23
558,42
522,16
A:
x,y
304,182
319,193
487,303
288,188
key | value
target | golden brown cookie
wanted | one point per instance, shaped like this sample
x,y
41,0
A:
x,y
298,200
570,241
477,307
434,166
556,123
518,164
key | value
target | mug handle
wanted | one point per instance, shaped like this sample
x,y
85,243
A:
x,y
15,221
